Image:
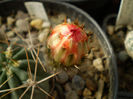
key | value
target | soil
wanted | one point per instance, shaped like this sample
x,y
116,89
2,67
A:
x,y
88,80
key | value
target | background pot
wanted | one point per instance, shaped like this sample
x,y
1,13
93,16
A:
x,y
6,8
110,20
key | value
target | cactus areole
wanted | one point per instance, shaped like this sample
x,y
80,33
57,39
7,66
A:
x,y
68,43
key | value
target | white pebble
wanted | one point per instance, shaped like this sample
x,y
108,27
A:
x,y
97,63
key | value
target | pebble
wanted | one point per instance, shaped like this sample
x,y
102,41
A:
x,y
100,89
67,87
85,65
22,25
71,95
91,85
2,32
62,77
10,34
37,23
21,15
2,36
46,24
43,35
123,56
97,63
91,55
3,28
72,72
130,27
10,21
87,92
118,27
110,29
95,49
78,83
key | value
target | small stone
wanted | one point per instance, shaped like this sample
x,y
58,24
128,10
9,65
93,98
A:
x,y
123,56
71,95
87,92
91,55
129,27
118,27
2,32
100,89
37,23
91,85
10,34
10,21
95,49
46,24
67,87
21,15
43,35
97,63
3,28
2,36
72,72
62,77
85,65
78,83
110,29
22,25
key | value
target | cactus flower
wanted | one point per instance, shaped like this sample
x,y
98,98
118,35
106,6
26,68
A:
x,y
68,43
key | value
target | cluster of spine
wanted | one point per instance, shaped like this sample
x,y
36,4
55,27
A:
x,y
14,61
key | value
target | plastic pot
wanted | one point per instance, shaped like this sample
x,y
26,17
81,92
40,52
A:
x,y
6,8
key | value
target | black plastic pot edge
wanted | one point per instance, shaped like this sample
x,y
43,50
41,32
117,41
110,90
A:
x,y
112,57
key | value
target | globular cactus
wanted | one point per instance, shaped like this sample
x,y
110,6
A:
x,y
68,43
13,69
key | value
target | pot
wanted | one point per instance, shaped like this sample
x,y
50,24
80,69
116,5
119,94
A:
x,y
74,12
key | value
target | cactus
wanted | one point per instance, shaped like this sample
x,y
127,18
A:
x,y
68,43
13,71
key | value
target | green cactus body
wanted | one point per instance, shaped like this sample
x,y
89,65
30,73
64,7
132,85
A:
x,y
13,66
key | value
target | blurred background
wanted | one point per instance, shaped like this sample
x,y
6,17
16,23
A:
x,y
98,9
